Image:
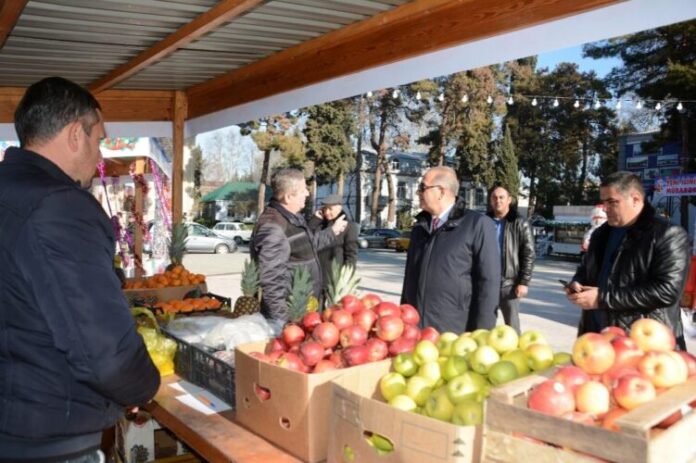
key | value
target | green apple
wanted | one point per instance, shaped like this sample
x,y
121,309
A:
x,y
431,372
480,336
419,389
469,412
425,351
502,372
454,365
444,343
531,337
561,358
469,385
438,405
503,338
382,444
464,345
539,356
482,359
391,385
519,358
348,454
403,402
405,364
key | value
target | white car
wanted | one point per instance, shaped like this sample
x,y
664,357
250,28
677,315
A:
x,y
233,230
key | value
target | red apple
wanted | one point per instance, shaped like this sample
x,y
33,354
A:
x,y
610,376
311,352
291,362
400,345
579,417
324,365
341,318
608,422
409,314
262,393
652,335
356,355
377,349
411,332
389,328
593,398
572,376
276,345
292,335
631,391
326,334
593,353
610,332
310,320
670,420
429,333
385,309
352,304
552,398
370,300
627,352
663,369
353,335
275,355
365,318
690,361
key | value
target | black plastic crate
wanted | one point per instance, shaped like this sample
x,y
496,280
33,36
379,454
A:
x,y
198,365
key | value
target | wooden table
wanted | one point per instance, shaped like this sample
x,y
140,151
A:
x,y
216,438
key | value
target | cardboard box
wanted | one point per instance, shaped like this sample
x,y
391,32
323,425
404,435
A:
x,y
296,416
358,411
140,442
162,294
516,433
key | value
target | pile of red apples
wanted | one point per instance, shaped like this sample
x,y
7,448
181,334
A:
x,y
613,373
352,332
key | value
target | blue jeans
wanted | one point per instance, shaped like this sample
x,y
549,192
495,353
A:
x,y
95,457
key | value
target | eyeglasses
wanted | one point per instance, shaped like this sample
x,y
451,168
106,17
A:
x,y
422,187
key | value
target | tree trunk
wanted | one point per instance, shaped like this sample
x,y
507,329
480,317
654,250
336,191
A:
x,y
339,184
532,195
391,209
376,191
261,198
358,162
583,172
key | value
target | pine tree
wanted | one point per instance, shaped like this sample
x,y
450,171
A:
x,y
506,167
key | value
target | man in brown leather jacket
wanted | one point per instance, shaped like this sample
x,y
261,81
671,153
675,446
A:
x,y
635,266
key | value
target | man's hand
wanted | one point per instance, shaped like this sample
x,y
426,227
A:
x,y
339,225
585,297
319,214
521,291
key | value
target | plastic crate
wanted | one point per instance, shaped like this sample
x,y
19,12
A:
x,y
199,366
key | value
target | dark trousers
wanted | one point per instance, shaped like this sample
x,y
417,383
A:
x,y
510,307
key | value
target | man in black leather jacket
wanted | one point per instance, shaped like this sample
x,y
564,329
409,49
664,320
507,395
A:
x,y
635,266
516,245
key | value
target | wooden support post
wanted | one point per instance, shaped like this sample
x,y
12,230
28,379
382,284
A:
x,y
180,110
137,232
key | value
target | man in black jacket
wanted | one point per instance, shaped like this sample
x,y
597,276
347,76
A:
x,y
345,248
516,245
282,241
453,267
635,266
71,360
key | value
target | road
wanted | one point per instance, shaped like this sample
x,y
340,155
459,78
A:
x,y
381,271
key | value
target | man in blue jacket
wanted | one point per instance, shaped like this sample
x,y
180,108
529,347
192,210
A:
x,y
453,266
71,360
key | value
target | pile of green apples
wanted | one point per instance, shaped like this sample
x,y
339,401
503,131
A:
x,y
450,379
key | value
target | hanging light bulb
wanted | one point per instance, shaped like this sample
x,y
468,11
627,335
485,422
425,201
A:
x,y
395,93
639,105
658,106
680,107
576,104
555,103
597,104
510,101
465,98
489,100
418,96
369,94
441,97
534,102
618,104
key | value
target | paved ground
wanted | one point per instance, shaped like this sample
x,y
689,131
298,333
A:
x,y
381,271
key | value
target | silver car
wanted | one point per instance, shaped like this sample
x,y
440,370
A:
x,y
203,239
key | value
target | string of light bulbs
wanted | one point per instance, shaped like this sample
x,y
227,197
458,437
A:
x,y
585,102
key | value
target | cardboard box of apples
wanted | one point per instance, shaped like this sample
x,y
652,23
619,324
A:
x,y
628,397
429,408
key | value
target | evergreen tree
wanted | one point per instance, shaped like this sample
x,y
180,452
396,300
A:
x,y
506,167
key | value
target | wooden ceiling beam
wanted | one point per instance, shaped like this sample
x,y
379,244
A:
x,y
10,10
221,13
415,28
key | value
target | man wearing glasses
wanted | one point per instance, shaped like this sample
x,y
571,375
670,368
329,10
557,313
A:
x,y
453,266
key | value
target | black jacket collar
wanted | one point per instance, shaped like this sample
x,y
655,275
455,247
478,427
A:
x,y
510,216
455,215
294,219
15,155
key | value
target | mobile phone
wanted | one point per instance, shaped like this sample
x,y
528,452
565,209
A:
x,y
567,285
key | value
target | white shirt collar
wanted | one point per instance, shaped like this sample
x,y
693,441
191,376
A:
x,y
444,216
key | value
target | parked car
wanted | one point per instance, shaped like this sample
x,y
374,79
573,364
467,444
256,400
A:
x,y
233,230
400,243
203,239
376,237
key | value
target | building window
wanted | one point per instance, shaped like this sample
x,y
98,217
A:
x,y
401,191
480,200
394,164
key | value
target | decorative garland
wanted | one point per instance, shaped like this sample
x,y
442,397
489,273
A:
x,y
159,187
139,180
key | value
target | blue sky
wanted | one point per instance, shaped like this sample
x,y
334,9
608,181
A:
x,y
574,55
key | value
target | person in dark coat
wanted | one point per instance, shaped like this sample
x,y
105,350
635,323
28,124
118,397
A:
x,y
345,248
71,360
453,265
282,241
635,266
516,245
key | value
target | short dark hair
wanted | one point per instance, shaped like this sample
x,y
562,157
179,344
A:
x,y
498,185
49,105
624,182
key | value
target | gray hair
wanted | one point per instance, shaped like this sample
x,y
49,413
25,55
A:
x,y
446,177
286,181
624,182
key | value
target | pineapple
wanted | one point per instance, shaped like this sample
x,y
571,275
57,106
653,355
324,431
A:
x,y
342,282
249,303
177,244
300,293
